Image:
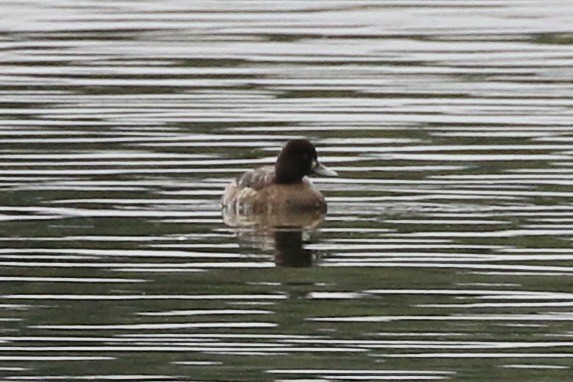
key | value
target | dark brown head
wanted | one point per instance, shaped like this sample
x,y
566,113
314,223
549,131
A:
x,y
296,160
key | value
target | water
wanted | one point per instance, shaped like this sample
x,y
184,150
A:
x,y
446,250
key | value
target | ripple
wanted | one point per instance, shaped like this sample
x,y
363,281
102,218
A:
x,y
449,229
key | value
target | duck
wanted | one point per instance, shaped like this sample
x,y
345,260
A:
x,y
284,187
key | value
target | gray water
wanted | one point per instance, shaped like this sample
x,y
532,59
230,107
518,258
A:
x,y
446,251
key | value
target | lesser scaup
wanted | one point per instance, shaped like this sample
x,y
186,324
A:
x,y
282,187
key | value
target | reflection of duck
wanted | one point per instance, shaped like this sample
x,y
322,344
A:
x,y
284,187
290,251
306,220
281,231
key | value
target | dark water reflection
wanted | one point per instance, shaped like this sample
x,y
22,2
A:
x,y
282,232
290,251
446,251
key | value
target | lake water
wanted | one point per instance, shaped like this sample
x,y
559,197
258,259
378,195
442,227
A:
x,y
446,251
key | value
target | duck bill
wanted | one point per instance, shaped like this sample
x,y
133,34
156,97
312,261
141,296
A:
x,y
323,170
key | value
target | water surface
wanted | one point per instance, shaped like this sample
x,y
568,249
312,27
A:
x,y
446,251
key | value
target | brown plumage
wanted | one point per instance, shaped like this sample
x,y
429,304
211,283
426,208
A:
x,y
282,187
